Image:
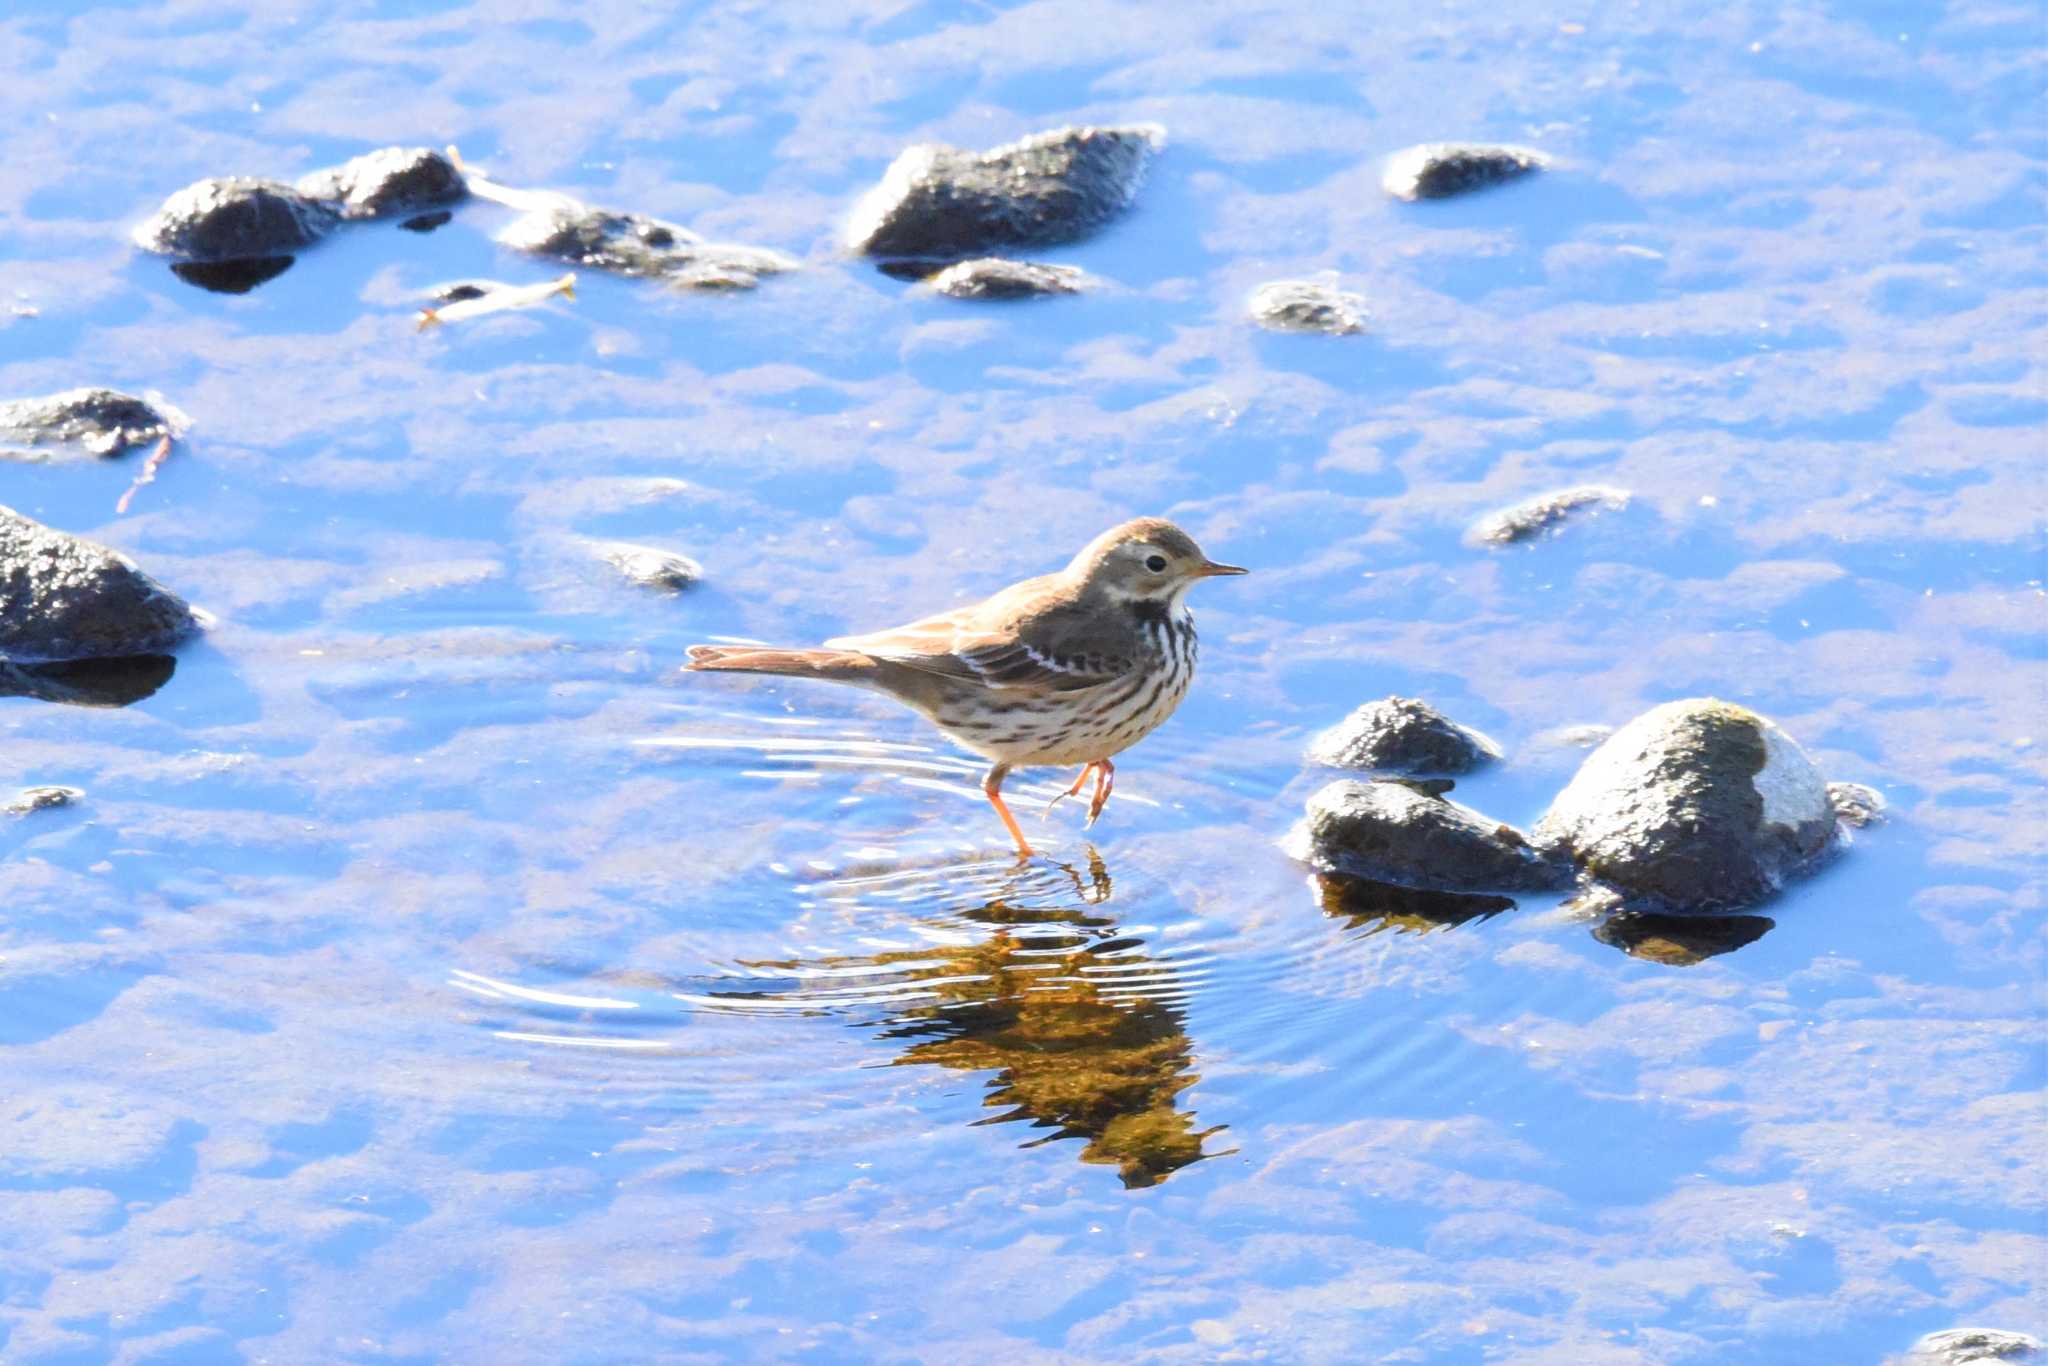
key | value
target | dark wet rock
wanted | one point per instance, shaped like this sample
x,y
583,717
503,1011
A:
x,y
1960,1346
1402,735
1680,940
232,277
1392,832
32,799
634,244
235,218
102,422
1542,515
1697,805
386,182
651,567
66,598
1855,805
1438,170
1306,306
89,682
993,277
1370,905
940,202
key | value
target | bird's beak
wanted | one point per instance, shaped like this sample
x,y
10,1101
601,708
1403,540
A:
x,y
1209,569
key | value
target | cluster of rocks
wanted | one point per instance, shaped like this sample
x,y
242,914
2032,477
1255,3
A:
x,y
1698,808
91,421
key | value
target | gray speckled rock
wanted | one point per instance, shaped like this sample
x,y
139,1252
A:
x,y
235,218
66,598
634,244
936,201
651,567
1855,805
1961,1346
388,181
1306,306
1545,514
102,422
1438,170
32,799
1402,735
1394,832
1698,805
993,277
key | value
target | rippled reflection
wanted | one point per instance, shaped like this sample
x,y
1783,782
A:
x,y
1375,906
1076,1020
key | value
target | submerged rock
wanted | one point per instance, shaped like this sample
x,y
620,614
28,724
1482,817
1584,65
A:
x,y
1855,805
1961,1346
1546,513
235,218
1306,306
1394,832
993,277
1402,735
634,244
31,799
66,598
89,682
386,182
937,201
651,567
1698,805
102,422
1438,170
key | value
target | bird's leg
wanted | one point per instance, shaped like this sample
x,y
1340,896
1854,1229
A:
x,y
1105,783
1079,779
992,784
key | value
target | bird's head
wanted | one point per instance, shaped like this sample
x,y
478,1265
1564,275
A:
x,y
1146,560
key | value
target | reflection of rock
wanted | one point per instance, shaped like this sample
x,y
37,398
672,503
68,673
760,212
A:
x,y
1541,515
1438,170
388,181
232,277
1679,940
1051,1003
1856,805
66,598
936,201
88,682
101,422
1401,735
1383,905
634,244
40,798
1697,805
650,566
1959,1346
235,218
993,277
1305,306
1395,832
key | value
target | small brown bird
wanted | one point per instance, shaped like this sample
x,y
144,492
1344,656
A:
x,y
1068,668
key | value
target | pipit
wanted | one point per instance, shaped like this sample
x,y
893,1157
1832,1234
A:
x,y
1067,668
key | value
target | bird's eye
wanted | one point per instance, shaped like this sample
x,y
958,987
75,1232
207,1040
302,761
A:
x,y
1156,563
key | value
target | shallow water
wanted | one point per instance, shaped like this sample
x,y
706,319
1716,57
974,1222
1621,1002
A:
x,y
432,971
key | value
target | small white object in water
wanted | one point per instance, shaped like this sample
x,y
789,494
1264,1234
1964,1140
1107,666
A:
x,y
499,297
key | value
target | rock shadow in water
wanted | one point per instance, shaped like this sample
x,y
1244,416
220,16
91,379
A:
x,y
89,682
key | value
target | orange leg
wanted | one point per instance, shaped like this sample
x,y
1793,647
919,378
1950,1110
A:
x,y
993,786
1105,783
1080,779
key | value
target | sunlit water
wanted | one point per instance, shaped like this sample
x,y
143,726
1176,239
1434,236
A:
x,y
432,971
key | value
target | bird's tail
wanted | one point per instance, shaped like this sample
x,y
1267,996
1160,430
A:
x,y
846,666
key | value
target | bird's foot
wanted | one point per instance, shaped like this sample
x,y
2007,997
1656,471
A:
x,y
1105,783
1079,779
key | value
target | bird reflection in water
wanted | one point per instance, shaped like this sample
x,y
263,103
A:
x,y
1069,1014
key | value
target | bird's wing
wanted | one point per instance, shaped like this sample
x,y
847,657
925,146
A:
x,y
1018,639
